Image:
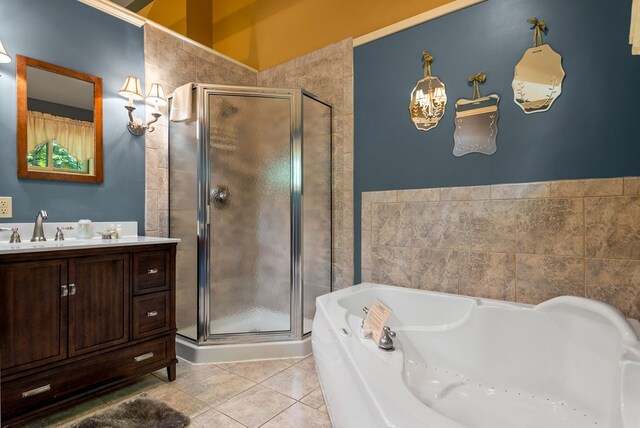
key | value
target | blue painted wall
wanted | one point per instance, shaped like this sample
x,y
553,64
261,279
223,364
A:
x,y
74,35
591,131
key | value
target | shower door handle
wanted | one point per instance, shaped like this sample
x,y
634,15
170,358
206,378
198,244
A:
x,y
220,195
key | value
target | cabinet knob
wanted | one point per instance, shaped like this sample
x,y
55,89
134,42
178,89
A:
x,y
152,314
64,290
152,271
72,289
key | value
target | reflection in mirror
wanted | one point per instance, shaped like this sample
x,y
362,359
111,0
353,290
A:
x,y
59,123
537,81
476,125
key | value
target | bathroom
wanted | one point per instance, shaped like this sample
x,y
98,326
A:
x,y
551,209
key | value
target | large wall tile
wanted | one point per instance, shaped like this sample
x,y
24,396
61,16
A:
x,y
613,227
486,226
596,187
489,275
551,226
632,186
435,224
469,193
436,270
615,282
521,191
541,278
391,265
391,225
419,195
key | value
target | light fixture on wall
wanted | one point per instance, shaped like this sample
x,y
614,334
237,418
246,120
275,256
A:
x,y
4,56
132,90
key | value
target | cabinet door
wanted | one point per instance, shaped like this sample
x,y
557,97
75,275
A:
x,y
33,313
98,302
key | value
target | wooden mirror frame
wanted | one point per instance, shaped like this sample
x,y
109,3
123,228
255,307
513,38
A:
x,y
22,62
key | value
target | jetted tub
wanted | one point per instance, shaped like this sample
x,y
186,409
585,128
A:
x,y
477,363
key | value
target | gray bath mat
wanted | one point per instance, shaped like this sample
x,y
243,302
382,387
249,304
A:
x,y
143,412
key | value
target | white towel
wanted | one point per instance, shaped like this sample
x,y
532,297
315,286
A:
x,y
181,104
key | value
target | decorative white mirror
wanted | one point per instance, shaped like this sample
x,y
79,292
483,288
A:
x,y
476,121
537,80
428,99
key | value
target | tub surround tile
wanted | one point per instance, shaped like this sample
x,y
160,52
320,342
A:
x,y
436,270
592,187
486,226
391,265
434,224
391,225
488,275
550,226
615,282
470,193
530,241
521,191
613,227
382,196
542,278
632,186
419,195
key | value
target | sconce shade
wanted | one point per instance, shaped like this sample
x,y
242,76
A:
x,y
131,89
4,56
156,95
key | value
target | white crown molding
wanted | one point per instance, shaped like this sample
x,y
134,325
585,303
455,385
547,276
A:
x,y
117,11
429,15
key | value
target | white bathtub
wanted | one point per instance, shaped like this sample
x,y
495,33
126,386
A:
x,y
477,363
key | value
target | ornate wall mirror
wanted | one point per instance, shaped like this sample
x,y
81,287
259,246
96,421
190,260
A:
x,y
59,122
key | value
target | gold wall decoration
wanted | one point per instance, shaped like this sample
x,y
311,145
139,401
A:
x,y
428,98
476,121
537,80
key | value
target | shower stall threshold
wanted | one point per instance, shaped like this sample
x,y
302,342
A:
x,y
228,353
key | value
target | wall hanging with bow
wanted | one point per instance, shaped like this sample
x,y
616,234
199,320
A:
x,y
476,121
428,98
537,80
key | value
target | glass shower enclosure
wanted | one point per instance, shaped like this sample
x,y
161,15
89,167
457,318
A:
x,y
250,198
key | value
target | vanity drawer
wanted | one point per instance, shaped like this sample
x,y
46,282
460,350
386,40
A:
x,y
151,314
37,391
151,271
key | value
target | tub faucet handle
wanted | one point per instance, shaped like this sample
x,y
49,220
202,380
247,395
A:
x,y
366,311
386,341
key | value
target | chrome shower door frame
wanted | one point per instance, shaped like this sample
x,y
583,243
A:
x,y
204,215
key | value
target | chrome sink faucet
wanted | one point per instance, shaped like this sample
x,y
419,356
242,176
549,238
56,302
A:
x,y
38,230
15,236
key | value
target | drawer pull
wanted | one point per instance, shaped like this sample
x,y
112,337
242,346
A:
x,y
72,289
36,391
143,357
152,271
152,314
64,291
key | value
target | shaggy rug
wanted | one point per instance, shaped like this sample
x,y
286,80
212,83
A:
x,y
143,412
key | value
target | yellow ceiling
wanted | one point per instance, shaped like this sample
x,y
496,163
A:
x,y
264,33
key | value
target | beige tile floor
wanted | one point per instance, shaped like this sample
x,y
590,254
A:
x,y
272,394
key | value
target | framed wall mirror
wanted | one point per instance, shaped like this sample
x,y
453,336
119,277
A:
x,y
59,122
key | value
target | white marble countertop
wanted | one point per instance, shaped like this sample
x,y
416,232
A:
x,y
78,244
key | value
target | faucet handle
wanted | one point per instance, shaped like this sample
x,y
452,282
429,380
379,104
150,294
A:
x,y
388,331
386,341
15,236
60,234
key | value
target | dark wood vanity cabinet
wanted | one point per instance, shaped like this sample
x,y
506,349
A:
x,y
75,322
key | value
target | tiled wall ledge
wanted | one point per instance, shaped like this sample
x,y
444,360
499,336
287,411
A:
x,y
520,242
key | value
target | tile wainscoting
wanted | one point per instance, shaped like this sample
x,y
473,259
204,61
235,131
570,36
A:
x,y
519,242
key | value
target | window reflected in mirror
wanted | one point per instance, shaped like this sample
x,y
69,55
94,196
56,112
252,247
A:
x,y
59,123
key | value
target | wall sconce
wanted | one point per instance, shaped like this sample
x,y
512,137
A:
x,y
132,90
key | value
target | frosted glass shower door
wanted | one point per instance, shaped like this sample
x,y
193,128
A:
x,y
250,213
